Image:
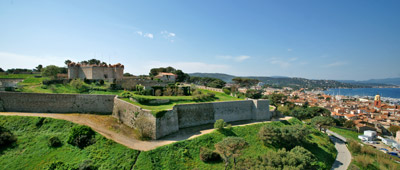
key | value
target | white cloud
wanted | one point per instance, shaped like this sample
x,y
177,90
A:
x,y
289,49
241,58
168,35
335,64
139,32
237,58
190,67
148,35
13,60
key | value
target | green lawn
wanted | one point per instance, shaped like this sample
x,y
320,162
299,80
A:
x,y
348,134
174,100
19,76
185,154
32,151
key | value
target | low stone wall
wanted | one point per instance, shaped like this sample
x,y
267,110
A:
x,y
56,103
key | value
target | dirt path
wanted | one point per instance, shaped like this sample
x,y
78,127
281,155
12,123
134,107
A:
x,y
109,127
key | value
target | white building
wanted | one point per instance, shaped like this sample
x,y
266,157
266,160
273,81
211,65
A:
x,y
369,135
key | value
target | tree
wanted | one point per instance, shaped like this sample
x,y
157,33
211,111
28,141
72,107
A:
x,y
269,134
393,129
229,148
181,76
127,74
328,99
349,124
66,62
51,71
277,99
1,70
245,82
81,136
94,61
322,121
6,137
39,68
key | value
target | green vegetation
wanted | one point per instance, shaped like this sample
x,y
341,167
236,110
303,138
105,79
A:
x,y
159,109
186,154
364,156
81,136
348,134
32,151
7,138
18,76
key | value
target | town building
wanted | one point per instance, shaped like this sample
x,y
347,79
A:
x,y
168,77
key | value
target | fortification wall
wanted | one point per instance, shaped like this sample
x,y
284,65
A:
x,y
56,103
131,115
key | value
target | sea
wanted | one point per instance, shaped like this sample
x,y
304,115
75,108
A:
x,y
392,94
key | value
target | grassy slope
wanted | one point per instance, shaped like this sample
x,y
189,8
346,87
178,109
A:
x,y
346,133
185,154
378,160
32,152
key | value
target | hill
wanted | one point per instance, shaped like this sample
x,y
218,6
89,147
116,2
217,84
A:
x,y
33,152
293,82
376,82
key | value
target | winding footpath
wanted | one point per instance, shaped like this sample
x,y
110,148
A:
x,y
110,128
343,157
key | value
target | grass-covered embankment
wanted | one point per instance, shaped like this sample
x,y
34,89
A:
x,y
185,154
32,151
364,156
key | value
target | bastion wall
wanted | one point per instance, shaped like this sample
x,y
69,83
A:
x,y
56,103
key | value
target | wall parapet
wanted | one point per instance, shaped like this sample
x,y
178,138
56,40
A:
x,y
56,103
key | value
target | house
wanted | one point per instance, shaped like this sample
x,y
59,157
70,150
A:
x,y
170,77
369,135
95,71
388,141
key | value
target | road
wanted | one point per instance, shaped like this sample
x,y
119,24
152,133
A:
x,y
343,157
110,128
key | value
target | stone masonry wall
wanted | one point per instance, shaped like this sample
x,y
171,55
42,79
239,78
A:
x,y
128,114
56,103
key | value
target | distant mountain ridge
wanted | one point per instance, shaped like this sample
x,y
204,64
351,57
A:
x,y
387,81
293,82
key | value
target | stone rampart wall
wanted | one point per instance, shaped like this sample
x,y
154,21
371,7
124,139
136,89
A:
x,y
56,103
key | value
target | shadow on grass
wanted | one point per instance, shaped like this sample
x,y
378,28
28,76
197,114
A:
x,y
227,132
318,152
3,148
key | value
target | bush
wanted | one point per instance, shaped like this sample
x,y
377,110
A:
x,y
226,91
287,136
126,94
6,137
44,86
81,136
54,142
207,155
40,122
79,85
87,165
354,146
269,134
219,124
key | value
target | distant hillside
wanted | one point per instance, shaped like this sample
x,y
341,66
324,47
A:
x,y
225,77
281,81
387,81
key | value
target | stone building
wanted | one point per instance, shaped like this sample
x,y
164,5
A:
x,y
95,72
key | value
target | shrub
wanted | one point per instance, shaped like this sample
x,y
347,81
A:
x,y
40,122
354,146
207,155
288,136
219,124
44,86
81,136
54,142
79,85
226,91
269,134
57,165
158,92
6,137
101,82
126,94
87,165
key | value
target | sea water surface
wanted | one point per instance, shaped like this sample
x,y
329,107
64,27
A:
x,y
383,92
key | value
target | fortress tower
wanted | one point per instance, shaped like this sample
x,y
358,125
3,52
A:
x,y
95,72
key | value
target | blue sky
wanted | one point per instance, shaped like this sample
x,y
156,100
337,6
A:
x,y
317,39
